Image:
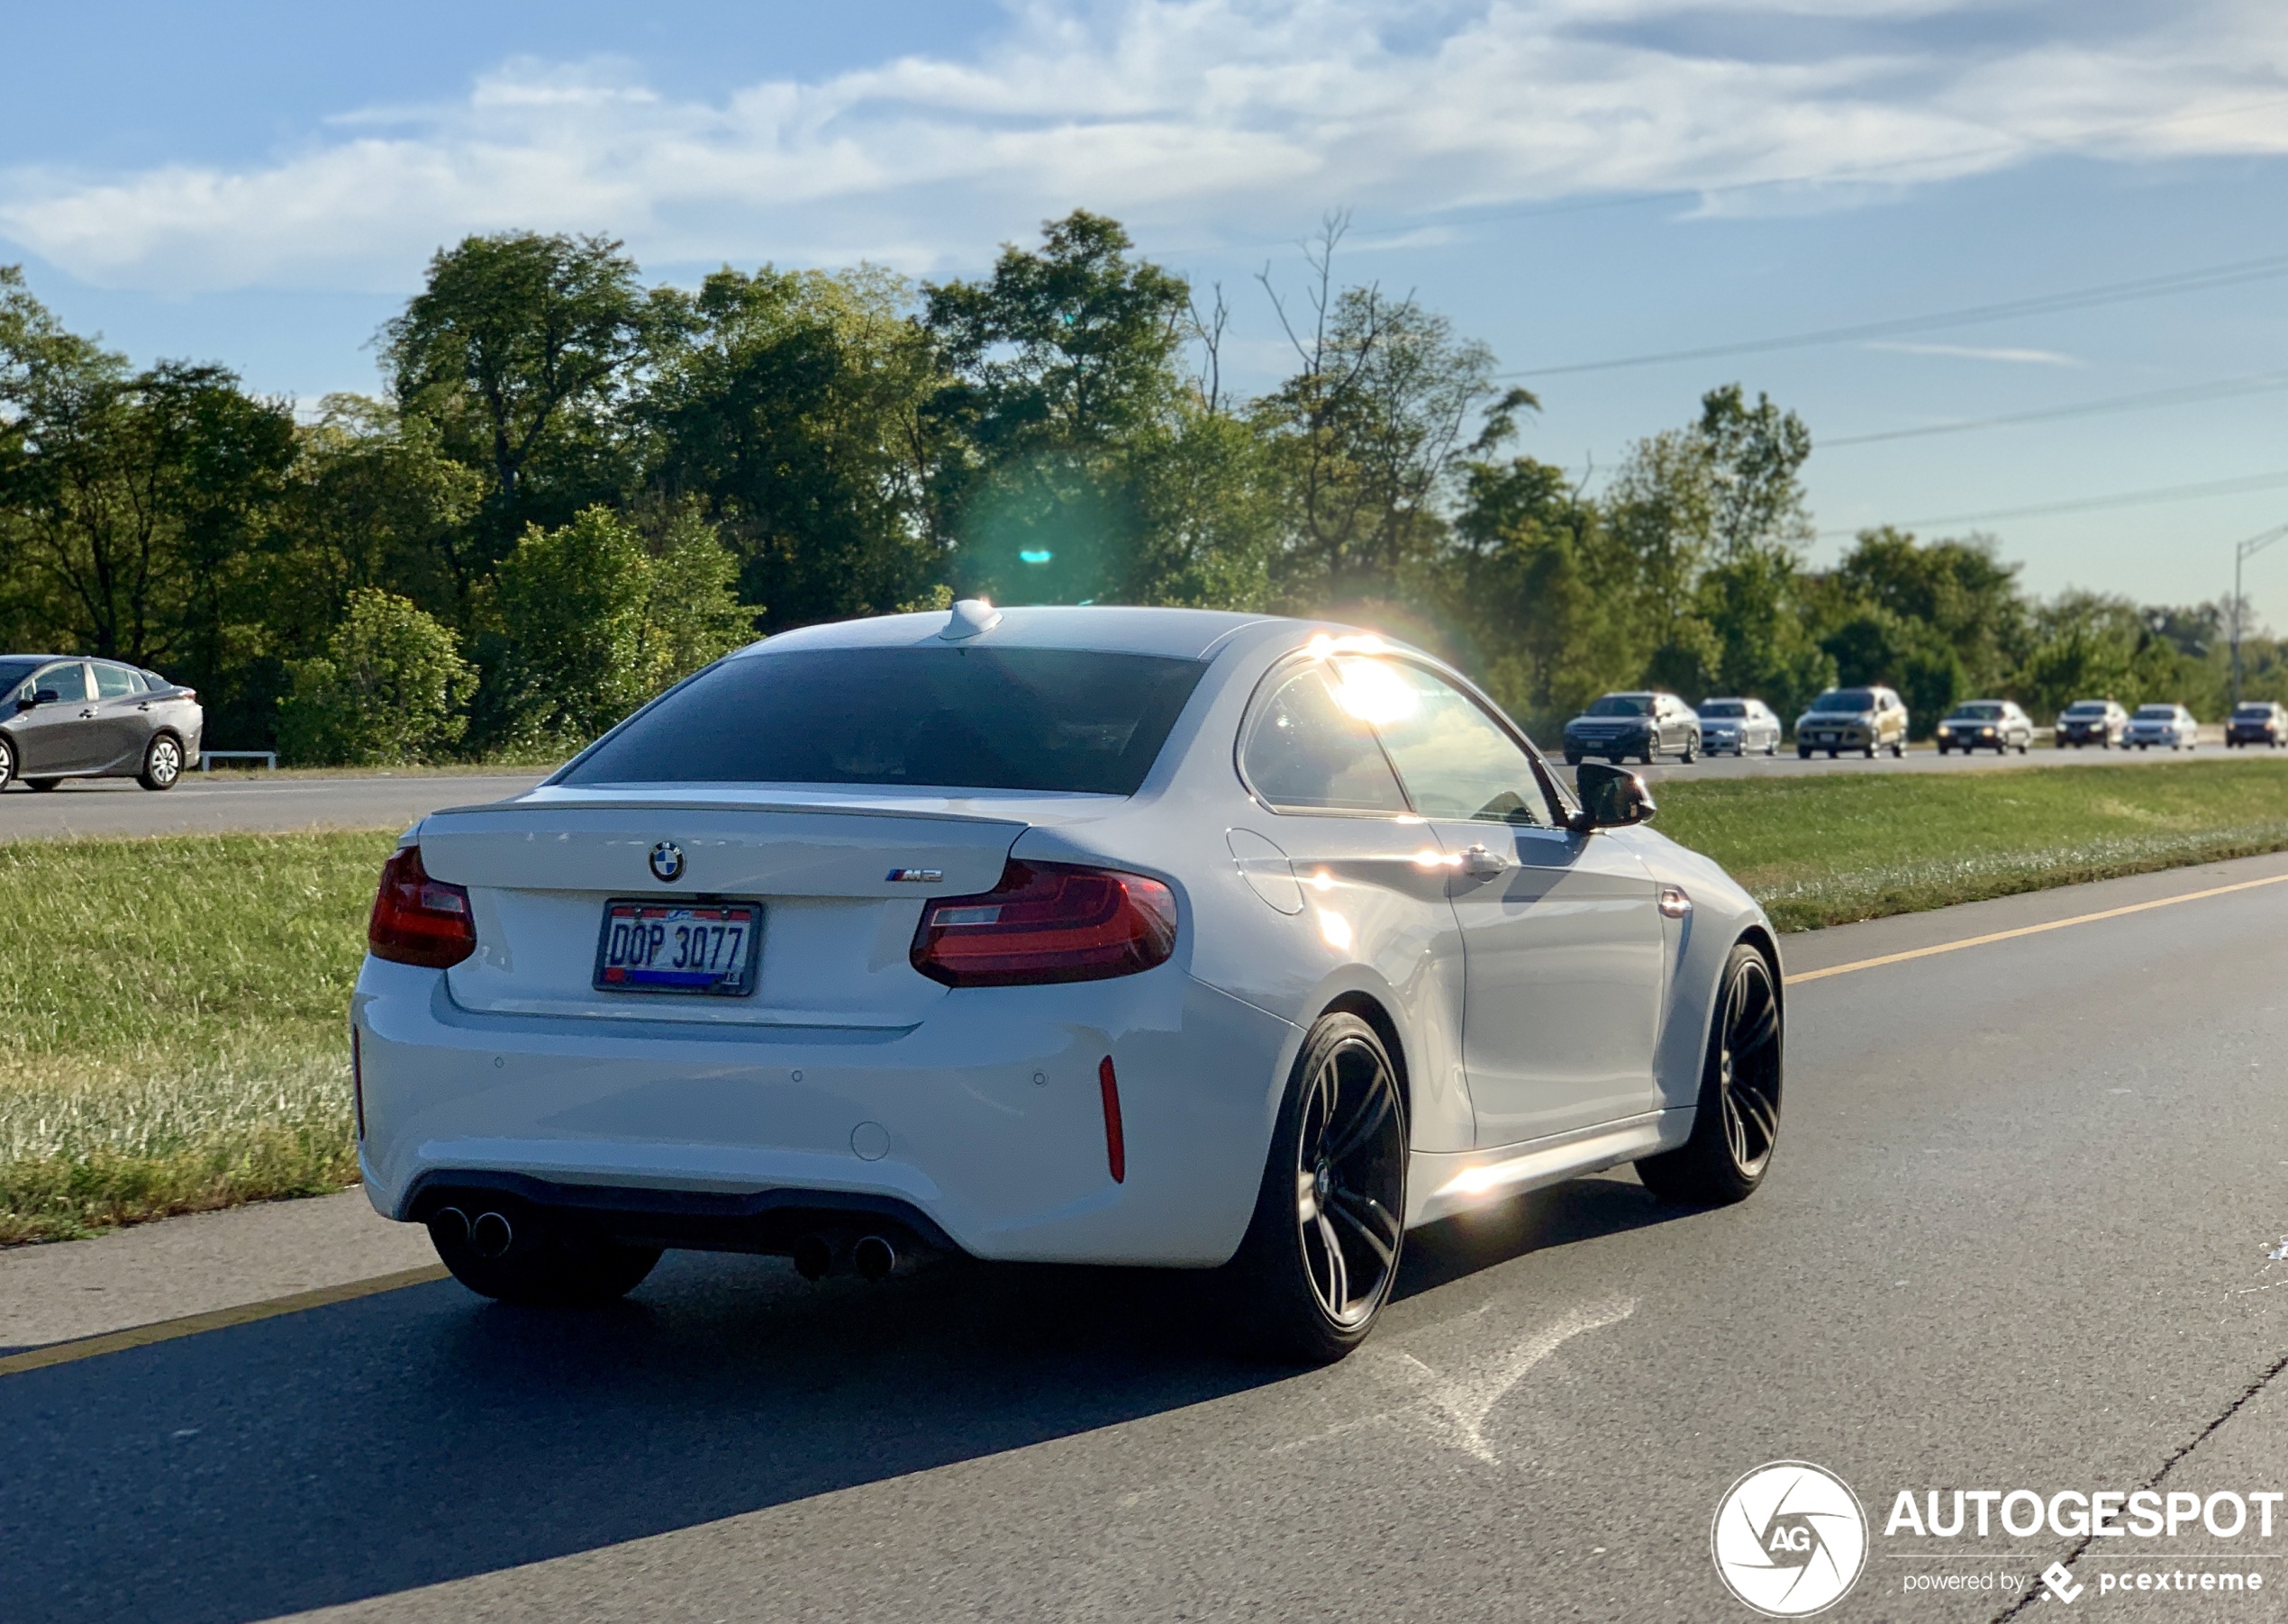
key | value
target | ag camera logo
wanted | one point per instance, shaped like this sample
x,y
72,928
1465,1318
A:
x,y
1790,1540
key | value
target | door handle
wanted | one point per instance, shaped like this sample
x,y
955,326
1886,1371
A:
x,y
86,715
1479,861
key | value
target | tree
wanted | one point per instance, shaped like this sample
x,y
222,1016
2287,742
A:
x,y
391,687
370,501
583,625
1960,589
1371,436
1062,363
791,405
1545,595
520,347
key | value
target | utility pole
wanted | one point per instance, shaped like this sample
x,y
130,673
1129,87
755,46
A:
x,y
2242,551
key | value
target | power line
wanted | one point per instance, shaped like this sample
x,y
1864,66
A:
x,y
2167,492
2112,293
2254,383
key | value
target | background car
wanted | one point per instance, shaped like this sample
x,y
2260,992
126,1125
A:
x,y
2172,725
1739,726
1979,724
64,717
1643,724
2087,722
2256,721
1867,719
1155,937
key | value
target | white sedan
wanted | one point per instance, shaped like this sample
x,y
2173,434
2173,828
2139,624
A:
x,y
1110,936
2168,724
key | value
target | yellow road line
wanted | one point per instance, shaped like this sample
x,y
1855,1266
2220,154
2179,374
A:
x,y
192,1325
2056,924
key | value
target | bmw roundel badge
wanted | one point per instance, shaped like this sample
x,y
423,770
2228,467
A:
x,y
666,861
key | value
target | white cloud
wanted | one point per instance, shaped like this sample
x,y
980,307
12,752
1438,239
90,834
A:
x,y
1974,352
1220,119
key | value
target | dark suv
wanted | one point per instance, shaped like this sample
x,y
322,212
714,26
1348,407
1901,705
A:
x,y
64,717
2256,721
1642,724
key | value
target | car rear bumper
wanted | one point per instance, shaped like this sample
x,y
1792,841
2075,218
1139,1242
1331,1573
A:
x,y
704,1132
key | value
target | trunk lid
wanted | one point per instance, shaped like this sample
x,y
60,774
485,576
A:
x,y
841,890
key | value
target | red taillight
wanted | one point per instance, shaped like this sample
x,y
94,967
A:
x,y
1047,921
418,920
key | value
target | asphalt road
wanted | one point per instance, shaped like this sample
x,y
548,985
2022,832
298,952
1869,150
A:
x,y
2016,1237
201,803
239,800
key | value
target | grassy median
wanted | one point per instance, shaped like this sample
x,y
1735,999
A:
x,y
1826,850
171,1023
171,1010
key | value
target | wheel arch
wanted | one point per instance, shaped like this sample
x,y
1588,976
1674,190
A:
x,y
1369,1009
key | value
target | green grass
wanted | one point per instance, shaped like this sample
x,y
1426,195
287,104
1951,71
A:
x,y
171,1011
1825,850
172,1023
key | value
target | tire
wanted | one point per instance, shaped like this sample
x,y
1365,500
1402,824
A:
x,y
1871,750
7,762
43,785
162,762
1898,751
1647,757
1326,1222
1944,750
1738,1125
1803,753
1772,748
1830,754
1691,752
546,1273
1573,758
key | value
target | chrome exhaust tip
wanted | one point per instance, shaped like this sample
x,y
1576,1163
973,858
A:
x,y
874,1257
813,1256
491,1235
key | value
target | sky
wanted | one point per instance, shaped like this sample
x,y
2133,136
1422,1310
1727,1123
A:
x,y
2070,212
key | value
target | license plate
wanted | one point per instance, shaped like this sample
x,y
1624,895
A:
x,y
678,948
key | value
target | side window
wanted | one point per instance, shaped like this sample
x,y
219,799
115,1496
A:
x,y
1307,752
115,682
68,683
1455,760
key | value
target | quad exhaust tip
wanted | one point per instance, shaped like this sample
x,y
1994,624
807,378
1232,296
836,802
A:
x,y
491,1235
821,1253
874,1257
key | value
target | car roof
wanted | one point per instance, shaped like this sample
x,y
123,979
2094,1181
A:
x,y
1177,633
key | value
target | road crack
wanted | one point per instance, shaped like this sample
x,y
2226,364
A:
x,y
2081,1547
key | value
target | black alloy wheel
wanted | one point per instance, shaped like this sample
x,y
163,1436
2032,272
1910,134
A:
x,y
1321,1253
1738,1125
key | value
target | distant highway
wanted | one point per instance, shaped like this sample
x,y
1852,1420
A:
x,y
240,802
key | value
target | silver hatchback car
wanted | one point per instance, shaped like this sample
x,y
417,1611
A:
x,y
64,717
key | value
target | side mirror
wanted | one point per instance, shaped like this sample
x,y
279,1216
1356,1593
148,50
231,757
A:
x,y
1610,798
26,702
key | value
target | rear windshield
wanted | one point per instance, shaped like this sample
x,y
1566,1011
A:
x,y
1845,699
1723,707
2247,710
2156,713
2086,707
1621,704
1023,719
1977,710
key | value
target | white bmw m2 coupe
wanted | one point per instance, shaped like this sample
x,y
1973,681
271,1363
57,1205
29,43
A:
x,y
1087,935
